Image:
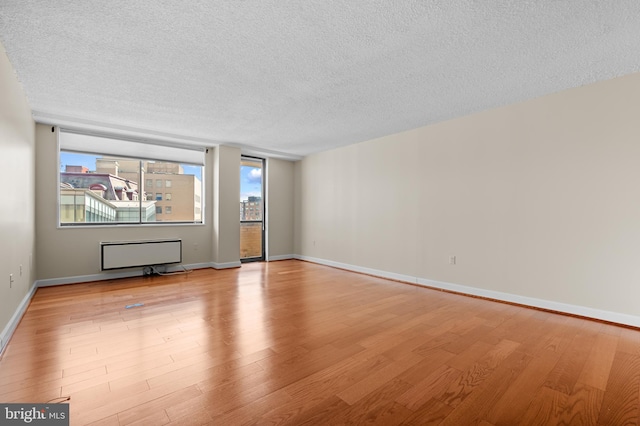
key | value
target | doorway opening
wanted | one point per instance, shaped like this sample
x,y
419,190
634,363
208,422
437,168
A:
x,y
252,207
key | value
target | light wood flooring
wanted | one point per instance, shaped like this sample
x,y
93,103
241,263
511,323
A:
x,y
292,342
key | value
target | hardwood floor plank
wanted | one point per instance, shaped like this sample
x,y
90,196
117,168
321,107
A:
x,y
331,411
553,407
469,356
476,375
153,418
151,408
565,374
429,362
582,407
195,406
513,404
595,372
431,386
108,421
621,403
358,390
293,342
194,418
250,413
370,408
473,406
433,412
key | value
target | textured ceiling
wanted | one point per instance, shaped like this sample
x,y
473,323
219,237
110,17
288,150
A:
x,y
297,77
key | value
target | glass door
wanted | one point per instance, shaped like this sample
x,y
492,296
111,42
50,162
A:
x,y
251,209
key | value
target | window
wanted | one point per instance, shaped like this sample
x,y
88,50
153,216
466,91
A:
x,y
99,181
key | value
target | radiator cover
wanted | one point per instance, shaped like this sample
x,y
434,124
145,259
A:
x,y
131,254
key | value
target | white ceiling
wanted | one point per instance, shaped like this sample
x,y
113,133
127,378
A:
x,y
298,77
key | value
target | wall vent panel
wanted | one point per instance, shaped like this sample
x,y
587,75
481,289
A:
x,y
131,254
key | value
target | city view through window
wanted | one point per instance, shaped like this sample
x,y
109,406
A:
x,y
97,189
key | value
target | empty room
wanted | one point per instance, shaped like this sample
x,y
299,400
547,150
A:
x,y
322,212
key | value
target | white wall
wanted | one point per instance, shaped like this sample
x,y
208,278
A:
x,y
539,200
17,174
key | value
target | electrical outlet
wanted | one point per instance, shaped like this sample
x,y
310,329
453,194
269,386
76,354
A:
x,y
452,260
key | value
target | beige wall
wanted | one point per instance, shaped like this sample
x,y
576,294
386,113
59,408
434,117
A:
x,y
539,199
74,252
17,172
279,208
226,194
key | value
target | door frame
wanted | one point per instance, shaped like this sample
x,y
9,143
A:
x,y
262,257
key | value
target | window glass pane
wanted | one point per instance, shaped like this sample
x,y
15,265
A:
x,y
250,190
185,182
104,189
98,189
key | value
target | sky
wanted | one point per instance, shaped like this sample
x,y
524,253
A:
x,y
73,159
89,161
250,182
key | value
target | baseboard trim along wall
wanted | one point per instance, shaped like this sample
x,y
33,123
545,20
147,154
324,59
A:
x,y
15,319
103,276
280,257
226,265
547,305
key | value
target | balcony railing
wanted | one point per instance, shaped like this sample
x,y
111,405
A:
x,y
250,239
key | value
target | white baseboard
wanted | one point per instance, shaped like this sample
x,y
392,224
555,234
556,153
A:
x,y
6,334
88,278
226,265
583,311
361,269
281,257
103,276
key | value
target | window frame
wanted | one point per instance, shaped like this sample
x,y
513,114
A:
x,y
141,196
